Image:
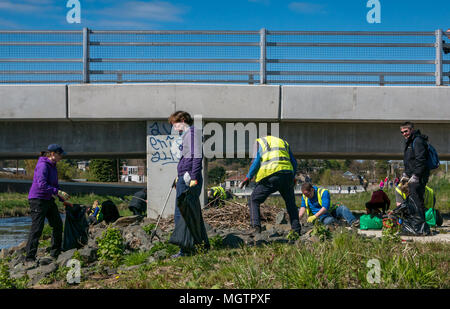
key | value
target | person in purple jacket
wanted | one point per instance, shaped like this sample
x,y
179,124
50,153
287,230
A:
x,y
42,203
189,169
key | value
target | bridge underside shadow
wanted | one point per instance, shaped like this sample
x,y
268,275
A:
x,y
127,139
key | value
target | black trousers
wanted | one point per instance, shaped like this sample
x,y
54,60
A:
x,y
41,209
282,182
417,193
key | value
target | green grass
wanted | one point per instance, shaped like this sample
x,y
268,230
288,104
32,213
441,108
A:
x,y
16,204
337,263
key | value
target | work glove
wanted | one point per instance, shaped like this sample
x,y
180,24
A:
x,y
193,183
404,178
311,219
174,185
413,179
63,195
244,183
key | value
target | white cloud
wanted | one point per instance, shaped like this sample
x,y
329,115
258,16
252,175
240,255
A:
x,y
307,7
148,11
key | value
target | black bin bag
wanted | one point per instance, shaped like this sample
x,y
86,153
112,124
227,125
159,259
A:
x,y
413,218
190,230
76,228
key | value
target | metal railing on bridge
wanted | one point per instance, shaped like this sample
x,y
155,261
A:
x,y
241,57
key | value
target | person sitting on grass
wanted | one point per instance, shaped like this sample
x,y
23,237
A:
x,y
316,202
95,214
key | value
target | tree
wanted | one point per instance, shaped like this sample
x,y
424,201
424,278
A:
x,y
104,170
381,168
65,170
216,174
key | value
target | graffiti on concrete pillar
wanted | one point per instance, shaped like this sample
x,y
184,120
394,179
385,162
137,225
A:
x,y
159,128
165,149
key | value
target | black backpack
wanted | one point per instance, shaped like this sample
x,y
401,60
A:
x,y
110,211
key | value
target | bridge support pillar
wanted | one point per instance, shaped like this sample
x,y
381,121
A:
x,y
162,163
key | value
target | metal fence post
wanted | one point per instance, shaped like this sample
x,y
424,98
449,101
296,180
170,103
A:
x,y
439,66
262,57
86,55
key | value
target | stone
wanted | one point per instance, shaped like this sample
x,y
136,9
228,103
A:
x,y
281,218
126,221
135,238
161,254
4,253
46,260
147,221
64,257
88,254
92,243
41,272
232,241
150,260
261,238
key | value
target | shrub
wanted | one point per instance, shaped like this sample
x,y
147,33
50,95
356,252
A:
x,y
111,246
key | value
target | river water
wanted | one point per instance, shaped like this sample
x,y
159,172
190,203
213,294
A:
x,y
14,230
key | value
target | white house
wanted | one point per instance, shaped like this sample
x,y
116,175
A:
x,y
133,174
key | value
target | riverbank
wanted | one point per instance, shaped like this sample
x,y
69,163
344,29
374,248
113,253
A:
x,y
122,256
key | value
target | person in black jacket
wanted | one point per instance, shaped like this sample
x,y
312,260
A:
x,y
415,161
138,204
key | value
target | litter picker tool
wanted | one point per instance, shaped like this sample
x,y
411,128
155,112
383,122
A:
x,y
160,215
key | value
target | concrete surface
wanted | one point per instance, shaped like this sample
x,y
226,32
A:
x,y
158,101
379,104
39,102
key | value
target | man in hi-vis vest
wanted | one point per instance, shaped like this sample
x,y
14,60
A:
x,y
316,202
274,166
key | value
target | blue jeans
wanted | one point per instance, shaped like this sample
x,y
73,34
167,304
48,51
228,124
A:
x,y
340,212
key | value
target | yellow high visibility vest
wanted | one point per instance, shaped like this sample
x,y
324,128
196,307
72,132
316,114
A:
x,y
274,157
402,194
320,192
219,192
428,198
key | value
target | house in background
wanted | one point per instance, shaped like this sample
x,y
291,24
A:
x,y
234,181
13,170
83,165
134,173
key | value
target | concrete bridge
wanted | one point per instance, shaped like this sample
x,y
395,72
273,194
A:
x,y
116,120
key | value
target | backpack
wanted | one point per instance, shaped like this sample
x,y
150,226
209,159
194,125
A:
x,y
433,158
110,211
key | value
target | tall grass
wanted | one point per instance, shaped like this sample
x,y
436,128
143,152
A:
x,y
338,263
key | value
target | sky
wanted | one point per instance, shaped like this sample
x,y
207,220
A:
x,y
324,15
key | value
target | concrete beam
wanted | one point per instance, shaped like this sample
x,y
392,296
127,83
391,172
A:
x,y
374,104
158,101
358,140
40,102
84,139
